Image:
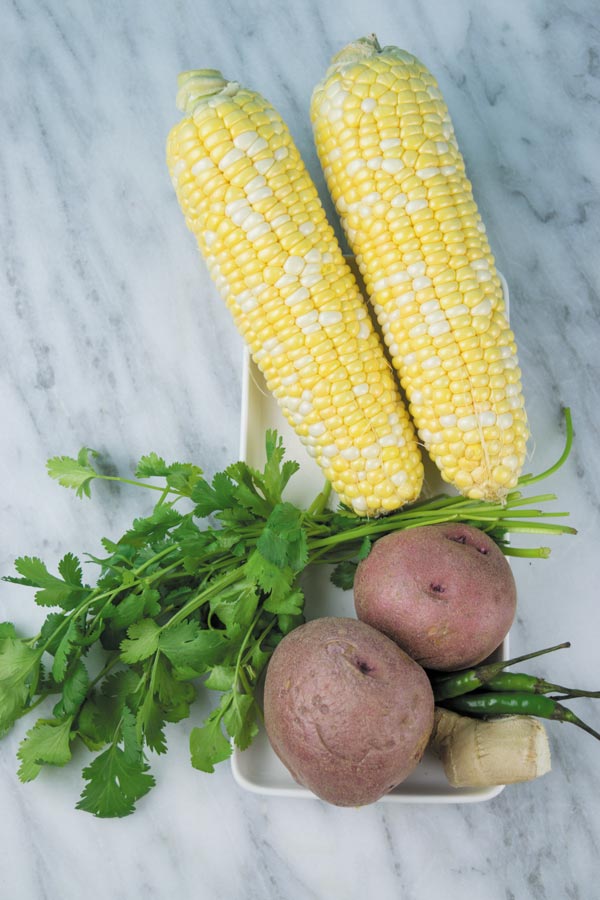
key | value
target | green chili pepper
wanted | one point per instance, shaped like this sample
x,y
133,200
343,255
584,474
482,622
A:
x,y
447,686
519,681
517,703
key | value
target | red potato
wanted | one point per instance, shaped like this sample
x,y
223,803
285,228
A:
x,y
444,593
346,710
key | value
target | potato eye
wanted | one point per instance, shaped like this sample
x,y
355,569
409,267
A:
x,y
363,666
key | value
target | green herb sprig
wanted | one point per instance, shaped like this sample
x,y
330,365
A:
x,y
178,605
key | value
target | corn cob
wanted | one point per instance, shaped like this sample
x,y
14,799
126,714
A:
x,y
392,164
258,221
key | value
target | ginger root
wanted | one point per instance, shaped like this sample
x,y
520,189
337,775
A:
x,y
478,753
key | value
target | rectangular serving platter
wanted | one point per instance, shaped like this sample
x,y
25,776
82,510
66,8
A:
x,y
258,769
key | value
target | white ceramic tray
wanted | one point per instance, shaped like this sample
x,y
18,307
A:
x,y
258,769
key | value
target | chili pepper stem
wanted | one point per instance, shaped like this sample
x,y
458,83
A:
x,y
568,693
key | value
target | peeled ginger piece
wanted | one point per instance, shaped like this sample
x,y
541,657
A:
x,y
477,753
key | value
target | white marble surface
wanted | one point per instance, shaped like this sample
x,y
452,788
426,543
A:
x,y
112,336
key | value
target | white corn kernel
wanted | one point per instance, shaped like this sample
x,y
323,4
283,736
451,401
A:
x,y
355,166
230,158
245,140
293,265
330,317
258,231
415,205
392,165
467,423
388,143
201,166
297,296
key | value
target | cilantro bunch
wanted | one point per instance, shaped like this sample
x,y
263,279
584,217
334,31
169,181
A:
x,y
179,605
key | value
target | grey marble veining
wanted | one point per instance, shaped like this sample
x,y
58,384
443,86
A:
x,y
112,336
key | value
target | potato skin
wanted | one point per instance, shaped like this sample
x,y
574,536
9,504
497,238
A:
x,y
346,710
444,593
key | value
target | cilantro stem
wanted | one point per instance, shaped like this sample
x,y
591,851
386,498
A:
x,y
164,495
320,501
155,558
196,602
142,484
113,592
41,697
244,643
530,479
115,658
263,635
527,552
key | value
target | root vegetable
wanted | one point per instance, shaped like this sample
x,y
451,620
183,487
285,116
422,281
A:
x,y
346,710
477,753
444,593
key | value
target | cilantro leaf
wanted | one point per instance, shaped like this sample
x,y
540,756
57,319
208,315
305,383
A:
x,y
74,690
343,575
70,569
118,777
142,641
250,491
188,646
183,477
276,472
236,606
365,548
17,662
259,658
47,743
7,630
174,695
129,609
66,649
283,540
208,744
92,726
65,592
151,465
210,498
221,678
51,632
268,576
12,704
287,623
19,670
99,716
239,718
150,724
292,604
151,528
74,473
